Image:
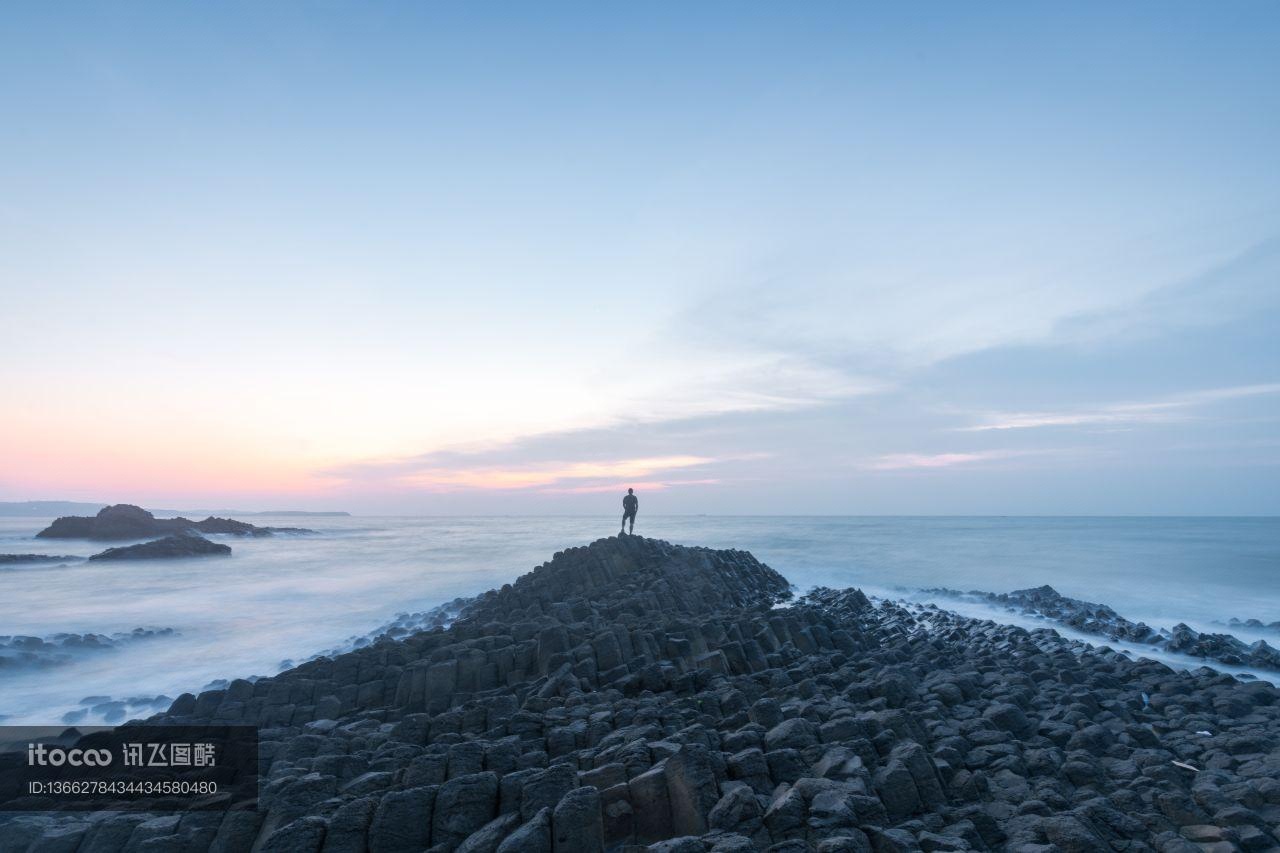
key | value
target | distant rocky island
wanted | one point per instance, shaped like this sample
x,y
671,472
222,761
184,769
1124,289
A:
x,y
634,695
178,545
126,521
16,559
167,537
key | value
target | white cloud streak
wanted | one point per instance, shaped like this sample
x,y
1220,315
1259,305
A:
x,y
929,461
1167,410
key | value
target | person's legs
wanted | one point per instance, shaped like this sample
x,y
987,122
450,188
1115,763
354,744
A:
x,y
623,529
632,516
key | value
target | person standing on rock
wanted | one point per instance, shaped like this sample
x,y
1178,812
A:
x,y
630,503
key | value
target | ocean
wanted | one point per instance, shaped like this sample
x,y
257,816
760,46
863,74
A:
x,y
279,600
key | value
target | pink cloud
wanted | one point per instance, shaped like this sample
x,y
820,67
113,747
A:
x,y
644,486
553,476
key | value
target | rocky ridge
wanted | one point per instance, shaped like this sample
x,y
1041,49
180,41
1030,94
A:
x,y
636,695
1100,620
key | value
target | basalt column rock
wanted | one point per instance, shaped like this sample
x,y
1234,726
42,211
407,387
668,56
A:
x,y
637,695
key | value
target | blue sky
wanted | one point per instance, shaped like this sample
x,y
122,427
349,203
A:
x,y
927,258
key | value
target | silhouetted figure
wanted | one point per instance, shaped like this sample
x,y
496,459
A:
x,y
630,503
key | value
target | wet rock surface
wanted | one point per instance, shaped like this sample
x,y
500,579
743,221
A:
x,y
1100,620
170,547
19,652
635,695
126,521
1254,625
401,626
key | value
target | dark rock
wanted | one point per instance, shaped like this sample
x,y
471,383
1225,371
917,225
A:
x,y
796,733
462,806
832,811
786,815
489,837
1009,718
1070,835
766,712
16,559
304,835
683,844
545,788
125,521
402,821
634,693
853,841
170,547
691,788
737,811
897,791
1090,618
786,765
898,841
617,814
348,826
533,836
576,824
651,805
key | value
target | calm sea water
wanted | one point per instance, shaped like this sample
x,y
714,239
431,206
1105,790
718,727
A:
x,y
287,598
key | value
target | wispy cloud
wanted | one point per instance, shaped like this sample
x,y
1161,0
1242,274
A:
x,y
1164,410
1237,284
639,485
919,461
549,475
851,305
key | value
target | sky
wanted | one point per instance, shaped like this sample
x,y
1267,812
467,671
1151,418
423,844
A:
x,y
924,258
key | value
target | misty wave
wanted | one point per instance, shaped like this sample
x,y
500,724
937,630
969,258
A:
x,y
24,652
278,601
404,624
106,709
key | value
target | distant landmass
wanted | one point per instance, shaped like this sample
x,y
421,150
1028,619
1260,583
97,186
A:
x,y
301,513
53,509
40,509
126,521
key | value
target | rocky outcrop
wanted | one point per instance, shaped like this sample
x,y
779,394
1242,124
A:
x,y
1222,648
635,695
20,652
125,521
170,547
1100,620
18,559
1254,625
